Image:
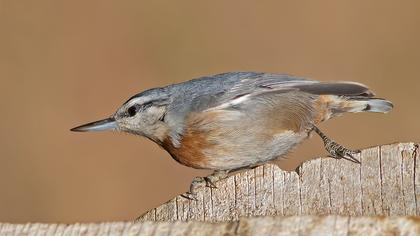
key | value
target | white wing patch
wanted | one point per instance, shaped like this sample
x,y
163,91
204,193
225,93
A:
x,y
233,102
248,88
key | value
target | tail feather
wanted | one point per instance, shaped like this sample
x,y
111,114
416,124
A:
x,y
359,104
344,97
378,105
343,88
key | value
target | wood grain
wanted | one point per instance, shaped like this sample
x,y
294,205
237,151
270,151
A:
x,y
384,184
279,225
324,197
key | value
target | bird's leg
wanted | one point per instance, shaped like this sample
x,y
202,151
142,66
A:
x,y
208,181
197,182
214,177
336,150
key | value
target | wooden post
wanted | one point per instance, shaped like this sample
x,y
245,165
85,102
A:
x,y
384,184
324,197
278,225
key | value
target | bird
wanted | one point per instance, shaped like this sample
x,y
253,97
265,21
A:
x,y
238,120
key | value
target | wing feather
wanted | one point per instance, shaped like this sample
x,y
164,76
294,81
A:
x,y
258,84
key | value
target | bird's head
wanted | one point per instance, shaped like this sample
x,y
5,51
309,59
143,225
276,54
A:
x,y
143,114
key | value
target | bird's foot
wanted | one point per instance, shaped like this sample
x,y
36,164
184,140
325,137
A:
x,y
215,176
200,182
336,150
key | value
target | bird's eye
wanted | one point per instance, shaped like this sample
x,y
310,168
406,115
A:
x,y
132,110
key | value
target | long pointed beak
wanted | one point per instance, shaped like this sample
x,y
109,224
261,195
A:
x,y
100,125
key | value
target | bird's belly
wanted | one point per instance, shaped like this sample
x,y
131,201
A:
x,y
228,140
234,152
251,151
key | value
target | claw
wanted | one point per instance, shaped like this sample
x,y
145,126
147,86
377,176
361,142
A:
x,y
200,182
209,183
346,154
190,196
348,157
336,150
352,159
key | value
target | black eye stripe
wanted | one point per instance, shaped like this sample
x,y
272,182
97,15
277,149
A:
x,y
132,111
147,104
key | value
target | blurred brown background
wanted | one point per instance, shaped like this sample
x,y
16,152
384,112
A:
x,y
64,63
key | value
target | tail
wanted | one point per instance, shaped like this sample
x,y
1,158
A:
x,y
342,97
356,104
362,104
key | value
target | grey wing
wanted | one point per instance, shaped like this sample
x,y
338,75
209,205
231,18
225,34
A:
x,y
249,84
214,91
228,87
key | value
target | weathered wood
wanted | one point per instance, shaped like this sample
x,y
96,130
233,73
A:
x,y
279,225
384,184
377,197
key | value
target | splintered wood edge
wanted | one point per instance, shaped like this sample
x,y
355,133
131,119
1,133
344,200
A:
x,y
293,225
385,184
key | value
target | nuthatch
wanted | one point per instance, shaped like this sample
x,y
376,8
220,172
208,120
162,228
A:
x,y
238,120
